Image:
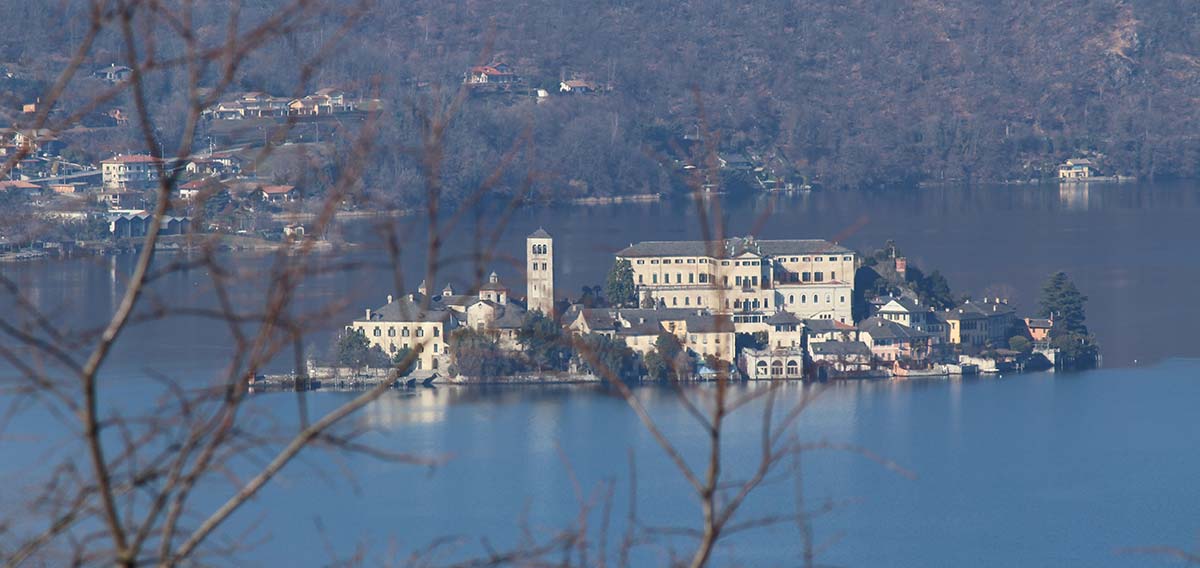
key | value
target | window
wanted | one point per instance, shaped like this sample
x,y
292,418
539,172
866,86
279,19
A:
x,y
640,261
639,278
679,261
674,301
803,298
699,301
544,266
691,278
791,299
679,278
841,299
819,258
794,259
703,278
766,302
806,259
436,331
724,263
420,332
691,261
828,299
737,280
754,280
435,348
819,276
391,332
687,301
377,332
654,277
806,277
847,258
760,369
833,259
404,332
833,276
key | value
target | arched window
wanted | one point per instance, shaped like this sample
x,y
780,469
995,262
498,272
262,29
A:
x,y
674,301
391,332
687,301
761,369
420,332
776,368
404,332
791,299
377,332
803,298
793,368
828,299
699,301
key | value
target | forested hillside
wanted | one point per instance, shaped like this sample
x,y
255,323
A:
x,y
856,93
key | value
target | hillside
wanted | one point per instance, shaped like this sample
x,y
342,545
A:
x,y
857,93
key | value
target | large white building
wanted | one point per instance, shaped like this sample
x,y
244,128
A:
x,y
748,278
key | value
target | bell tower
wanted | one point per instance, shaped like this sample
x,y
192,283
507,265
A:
x,y
539,271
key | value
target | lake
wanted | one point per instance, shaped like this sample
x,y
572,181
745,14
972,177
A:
x,y
1033,470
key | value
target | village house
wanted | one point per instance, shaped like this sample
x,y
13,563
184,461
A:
x,y
120,199
891,341
1078,168
699,331
747,278
909,312
498,73
132,172
414,322
978,324
192,189
113,73
1039,331
821,330
839,358
278,193
577,86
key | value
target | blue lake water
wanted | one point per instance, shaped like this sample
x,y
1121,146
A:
x,y
1032,470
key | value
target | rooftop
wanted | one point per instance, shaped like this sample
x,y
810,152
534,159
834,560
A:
x,y
733,247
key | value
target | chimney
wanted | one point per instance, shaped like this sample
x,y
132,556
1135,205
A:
x,y
389,298
368,313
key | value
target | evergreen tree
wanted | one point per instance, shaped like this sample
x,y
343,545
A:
x,y
351,348
619,289
1064,302
544,343
607,358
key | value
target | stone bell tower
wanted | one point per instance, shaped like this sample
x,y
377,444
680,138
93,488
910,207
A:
x,y
539,271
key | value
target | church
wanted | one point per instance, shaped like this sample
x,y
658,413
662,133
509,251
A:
x,y
423,321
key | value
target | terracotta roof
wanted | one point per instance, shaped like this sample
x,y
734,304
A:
x,y
276,189
18,184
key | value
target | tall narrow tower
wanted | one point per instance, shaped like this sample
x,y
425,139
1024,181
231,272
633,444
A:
x,y
539,271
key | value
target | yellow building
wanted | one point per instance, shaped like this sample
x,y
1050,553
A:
x,y
747,278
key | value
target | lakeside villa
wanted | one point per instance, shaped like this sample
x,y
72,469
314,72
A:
x,y
772,309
